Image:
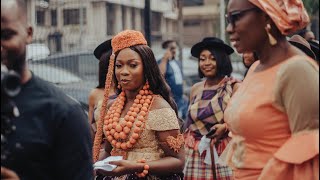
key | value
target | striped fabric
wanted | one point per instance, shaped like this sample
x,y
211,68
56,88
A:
x,y
206,109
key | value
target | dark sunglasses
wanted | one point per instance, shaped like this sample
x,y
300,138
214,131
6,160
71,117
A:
x,y
234,16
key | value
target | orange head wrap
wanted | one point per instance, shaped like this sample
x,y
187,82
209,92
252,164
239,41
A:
x,y
127,39
288,15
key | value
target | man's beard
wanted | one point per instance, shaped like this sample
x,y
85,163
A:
x,y
14,62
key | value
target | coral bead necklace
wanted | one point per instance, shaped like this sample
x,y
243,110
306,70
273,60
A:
x,y
123,135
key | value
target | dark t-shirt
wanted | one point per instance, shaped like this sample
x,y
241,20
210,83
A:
x,y
54,135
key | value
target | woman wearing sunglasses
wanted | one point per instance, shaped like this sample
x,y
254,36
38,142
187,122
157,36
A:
x,y
274,115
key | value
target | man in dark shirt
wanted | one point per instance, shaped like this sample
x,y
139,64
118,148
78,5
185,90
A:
x,y
172,71
52,138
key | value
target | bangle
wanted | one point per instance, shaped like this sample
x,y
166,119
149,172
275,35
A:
x,y
145,169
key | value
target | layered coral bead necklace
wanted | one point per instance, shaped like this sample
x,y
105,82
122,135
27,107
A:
x,y
124,135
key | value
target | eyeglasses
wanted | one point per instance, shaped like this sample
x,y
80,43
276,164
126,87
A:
x,y
234,16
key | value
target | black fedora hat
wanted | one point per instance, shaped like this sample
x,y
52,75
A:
x,y
210,42
303,45
102,48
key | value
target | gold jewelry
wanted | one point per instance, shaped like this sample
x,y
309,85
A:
x,y
272,40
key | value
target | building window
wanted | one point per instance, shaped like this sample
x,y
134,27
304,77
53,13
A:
x,y
110,19
53,17
191,23
155,21
133,18
123,11
193,2
72,16
40,18
142,20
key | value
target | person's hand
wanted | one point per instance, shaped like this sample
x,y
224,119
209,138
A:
x,y
220,130
7,174
167,55
123,167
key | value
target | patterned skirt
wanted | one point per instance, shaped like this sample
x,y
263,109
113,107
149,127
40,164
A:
x,y
196,169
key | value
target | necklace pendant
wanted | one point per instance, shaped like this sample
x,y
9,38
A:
x,y
119,152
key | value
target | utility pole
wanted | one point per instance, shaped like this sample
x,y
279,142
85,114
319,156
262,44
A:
x,y
180,29
81,24
222,20
147,21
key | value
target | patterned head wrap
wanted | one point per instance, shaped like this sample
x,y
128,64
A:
x,y
288,15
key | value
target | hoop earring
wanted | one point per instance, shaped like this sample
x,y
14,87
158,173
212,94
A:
x,y
272,40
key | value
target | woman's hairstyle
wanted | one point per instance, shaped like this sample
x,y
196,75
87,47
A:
x,y
103,68
224,66
152,74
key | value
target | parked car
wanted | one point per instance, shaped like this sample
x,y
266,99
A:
x,y
82,64
69,83
37,51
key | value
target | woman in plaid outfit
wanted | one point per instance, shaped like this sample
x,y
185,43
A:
x,y
208,100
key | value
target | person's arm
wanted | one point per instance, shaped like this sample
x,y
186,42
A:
x,y
174,159
7,174
164,61
173,162
91,103
297,94
72,148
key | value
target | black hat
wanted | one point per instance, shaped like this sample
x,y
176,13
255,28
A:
x,y
302,44
102,48
210,42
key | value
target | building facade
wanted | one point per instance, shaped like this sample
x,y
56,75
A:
x,y
67,25
200,19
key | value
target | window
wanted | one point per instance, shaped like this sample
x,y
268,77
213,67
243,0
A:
x,y
191,23
110,19
72,16
133,18
53,17
155,21
193,2
123,11
40,17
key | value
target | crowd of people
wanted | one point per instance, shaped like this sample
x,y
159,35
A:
x,y
265,126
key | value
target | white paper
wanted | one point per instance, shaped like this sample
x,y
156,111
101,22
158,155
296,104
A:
x,y
104,164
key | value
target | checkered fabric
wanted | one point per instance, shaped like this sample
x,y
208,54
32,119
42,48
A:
x,y
206,109
196,169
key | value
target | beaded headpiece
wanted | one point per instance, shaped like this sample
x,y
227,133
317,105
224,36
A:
x,y
127,39
122,40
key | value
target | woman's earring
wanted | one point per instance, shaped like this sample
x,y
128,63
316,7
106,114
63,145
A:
x,y
119,86
272,40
